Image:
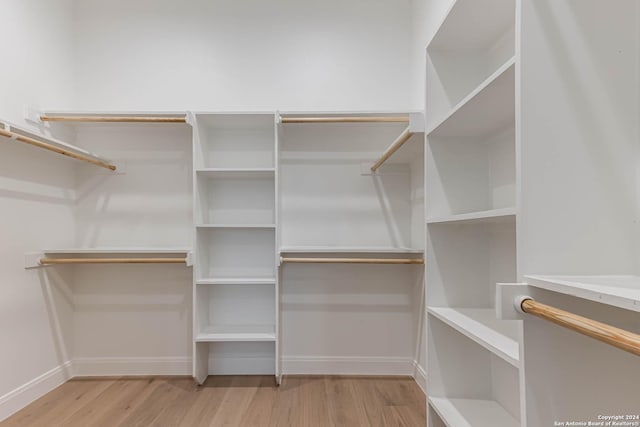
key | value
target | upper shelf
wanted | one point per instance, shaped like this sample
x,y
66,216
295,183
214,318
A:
x,y
140,255
26,136
347,250
489,108
119,250
349,117
474,25
76,117
617,291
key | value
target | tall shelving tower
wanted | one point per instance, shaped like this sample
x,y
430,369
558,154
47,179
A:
x,y
471,175
235,297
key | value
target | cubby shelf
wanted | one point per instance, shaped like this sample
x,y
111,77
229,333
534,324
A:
x,y
489,216
237,333
481,325
488,108
618,291
472,413
236,281
228,173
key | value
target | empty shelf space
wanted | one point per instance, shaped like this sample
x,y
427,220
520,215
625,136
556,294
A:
x,y
490,107
481,325
236,281
619,291
231,333
236,226
348,250
472,413
231,173
488,216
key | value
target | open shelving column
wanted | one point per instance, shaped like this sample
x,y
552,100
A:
x,y
472,357
235,286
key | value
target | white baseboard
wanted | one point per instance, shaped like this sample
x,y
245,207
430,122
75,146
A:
x,y
134,366
420,375
323,365
20,397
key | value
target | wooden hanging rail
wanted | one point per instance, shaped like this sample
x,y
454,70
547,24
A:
x,y
620,338
395,146
353,119
51,261
113,119
351,260
57,149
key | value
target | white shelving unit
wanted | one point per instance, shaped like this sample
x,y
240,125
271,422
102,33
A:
x,y
473,358
235,287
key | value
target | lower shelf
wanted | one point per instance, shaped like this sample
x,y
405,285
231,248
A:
x,y
481,325
472,413
235,333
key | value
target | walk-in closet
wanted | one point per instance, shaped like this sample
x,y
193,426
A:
x,y
293,213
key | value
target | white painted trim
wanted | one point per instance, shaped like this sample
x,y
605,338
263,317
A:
x,y
117,366
330,365
20,397
420,375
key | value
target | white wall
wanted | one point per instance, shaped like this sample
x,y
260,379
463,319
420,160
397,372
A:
x,y
36,200
37,63
226,55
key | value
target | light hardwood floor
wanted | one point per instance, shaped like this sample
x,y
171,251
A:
x,y
245,401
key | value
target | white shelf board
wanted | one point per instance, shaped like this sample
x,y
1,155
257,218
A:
x,y
488,108
493,216
113,113
8,126
119,250
236,226
473,25
236,281
231,333
472,413
349,249
227,173
618,291
481,325
124,114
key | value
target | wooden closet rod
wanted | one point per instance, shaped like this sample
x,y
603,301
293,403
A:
x,y
113,119
351,260
50,261
620,338
387,119
395,146
55,149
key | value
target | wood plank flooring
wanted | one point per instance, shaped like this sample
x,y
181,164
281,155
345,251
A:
x,y
244,401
